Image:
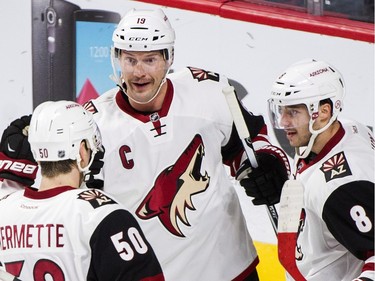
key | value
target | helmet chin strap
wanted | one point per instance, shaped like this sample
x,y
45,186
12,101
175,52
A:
x,y
314,134
307,151
153,97
85,170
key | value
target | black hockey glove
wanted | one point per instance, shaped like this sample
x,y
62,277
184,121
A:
x,y
18,163
265,182
96,166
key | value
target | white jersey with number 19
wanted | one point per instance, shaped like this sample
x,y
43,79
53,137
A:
x,y
167,168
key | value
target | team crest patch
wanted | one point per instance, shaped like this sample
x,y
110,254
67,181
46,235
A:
x,y
336,167
170,198
201,74
89,106
95,198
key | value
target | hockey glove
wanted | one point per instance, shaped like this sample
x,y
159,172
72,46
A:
x,y
17,161
96,166
265,182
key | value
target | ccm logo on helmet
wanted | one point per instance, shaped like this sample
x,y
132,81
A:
x,y
320,71
17,167
138,39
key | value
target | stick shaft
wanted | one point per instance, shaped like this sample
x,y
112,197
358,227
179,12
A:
x,y
291,204
244,134
240,124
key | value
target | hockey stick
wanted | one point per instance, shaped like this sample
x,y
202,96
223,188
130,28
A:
x,y
244,134
291,204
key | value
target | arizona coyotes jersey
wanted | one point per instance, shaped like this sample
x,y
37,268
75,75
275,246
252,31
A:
x,y
336,232
166,167
72,234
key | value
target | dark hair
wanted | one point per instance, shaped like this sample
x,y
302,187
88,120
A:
x,y
51,169
329,101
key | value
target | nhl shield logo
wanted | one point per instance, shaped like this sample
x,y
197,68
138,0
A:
x,y
61,153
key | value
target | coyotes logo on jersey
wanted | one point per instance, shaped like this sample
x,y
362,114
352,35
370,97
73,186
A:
x,y
90,107
171,194
201,74
95,198
336,167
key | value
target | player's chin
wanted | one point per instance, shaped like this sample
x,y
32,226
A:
x,y
140,97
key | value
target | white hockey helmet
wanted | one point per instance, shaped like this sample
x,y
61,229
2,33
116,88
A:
x,y
307,82
145,30
57,129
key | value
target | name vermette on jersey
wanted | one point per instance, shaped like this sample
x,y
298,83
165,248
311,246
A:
x,y
26,236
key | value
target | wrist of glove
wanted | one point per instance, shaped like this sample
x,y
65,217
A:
x,y
95,168
16,160
265,182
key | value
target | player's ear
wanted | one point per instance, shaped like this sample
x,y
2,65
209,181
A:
x,y
325,111
84,152
324,116
326,108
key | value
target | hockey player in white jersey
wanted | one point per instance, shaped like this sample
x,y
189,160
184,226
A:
x,y
17,165
335,163
61,231
166,137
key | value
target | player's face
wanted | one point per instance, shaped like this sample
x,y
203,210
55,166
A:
x,y
295,122
142,73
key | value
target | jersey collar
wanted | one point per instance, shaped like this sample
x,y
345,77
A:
x,y
35,194
123,103
326,149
